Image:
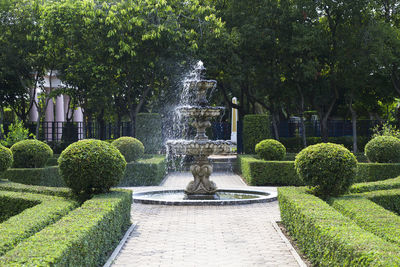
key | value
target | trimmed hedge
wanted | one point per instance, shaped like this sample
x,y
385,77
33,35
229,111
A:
x,y
383,149
388,199
370,216
270,149
295,144
17,228
255,129
6,158
327,237
131,148
84,237
145,172
12,206
51,191
148,131
48,176
52,161
260,172
374,186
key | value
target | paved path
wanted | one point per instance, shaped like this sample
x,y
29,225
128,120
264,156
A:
x,y
241,235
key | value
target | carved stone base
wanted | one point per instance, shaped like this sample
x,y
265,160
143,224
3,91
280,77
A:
x,y
201,185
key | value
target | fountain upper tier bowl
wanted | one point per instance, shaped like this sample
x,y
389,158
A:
x,y
199,111
199,147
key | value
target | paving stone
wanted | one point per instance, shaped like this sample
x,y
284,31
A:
x,y
241,235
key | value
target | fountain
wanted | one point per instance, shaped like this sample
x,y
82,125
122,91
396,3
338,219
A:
x,y
201,190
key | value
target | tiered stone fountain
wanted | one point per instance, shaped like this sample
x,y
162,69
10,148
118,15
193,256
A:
x,y
201,147
201,190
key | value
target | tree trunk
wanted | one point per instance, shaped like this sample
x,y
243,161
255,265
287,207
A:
x,y
302,125
354,125
275,126
1,122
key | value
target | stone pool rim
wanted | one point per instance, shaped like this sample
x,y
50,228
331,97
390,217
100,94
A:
x,y
265,196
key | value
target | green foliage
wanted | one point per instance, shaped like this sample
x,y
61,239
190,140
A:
x,y
51,191
16,132
131,148
385,130
383,149
30,153
48,176
270,149
52,161
327,237
145,172
91,166
148,130
329,168
374,186
46,210
10,207
263,173
6,158
97,227
388,199
255,129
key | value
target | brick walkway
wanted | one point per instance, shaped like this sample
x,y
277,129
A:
x,y
240,235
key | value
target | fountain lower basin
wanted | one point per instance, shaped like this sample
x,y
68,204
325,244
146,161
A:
x,y
223,197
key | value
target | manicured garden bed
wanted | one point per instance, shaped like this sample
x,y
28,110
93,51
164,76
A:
x,y
147,171
51,228
261,173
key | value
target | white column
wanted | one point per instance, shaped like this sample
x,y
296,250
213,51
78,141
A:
x,y
59,116
49,119
33,113
234,122
78,117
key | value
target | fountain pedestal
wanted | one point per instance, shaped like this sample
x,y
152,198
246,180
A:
x,y
201,187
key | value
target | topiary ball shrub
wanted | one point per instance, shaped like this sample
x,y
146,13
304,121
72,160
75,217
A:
x,y
329,169
383,149
30,153
131,148
6,158
91,166
271,149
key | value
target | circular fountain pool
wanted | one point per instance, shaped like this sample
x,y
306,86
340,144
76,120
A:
x,y
223,197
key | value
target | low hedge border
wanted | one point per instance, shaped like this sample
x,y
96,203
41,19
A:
x,y
370,216
263,173
84,237
23,225
374,186
388,199
52,191
145,172
327,237
48,176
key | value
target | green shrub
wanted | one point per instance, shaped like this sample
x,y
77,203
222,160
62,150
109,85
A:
x,y
374,186
51,191
84,237
10,206
131,148
52,161
270,149
148,130
91,166
48,176
388,199
30,153
328,168
6,158
255,129
383,149
45,211
145,172
370,172
327,237
16,133
264,173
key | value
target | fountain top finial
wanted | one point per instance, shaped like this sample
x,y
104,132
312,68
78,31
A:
x,y
199,69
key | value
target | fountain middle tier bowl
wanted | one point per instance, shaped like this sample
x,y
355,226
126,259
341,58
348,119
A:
x,y
199,111
199,147
201,85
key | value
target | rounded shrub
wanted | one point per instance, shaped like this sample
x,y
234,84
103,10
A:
x,y
131,148
91,165
6,158
328,168
271,149
30,153
383,149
